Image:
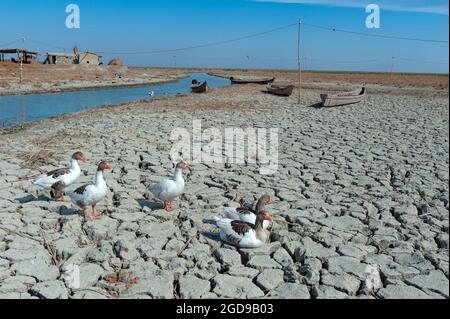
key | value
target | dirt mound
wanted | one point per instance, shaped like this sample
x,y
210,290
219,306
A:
x,y
115,62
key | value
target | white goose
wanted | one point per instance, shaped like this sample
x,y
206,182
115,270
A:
x,y
242,234
168,190
91,194
246,213
65,175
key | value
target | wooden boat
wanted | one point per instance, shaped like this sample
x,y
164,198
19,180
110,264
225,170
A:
x,y
345,98
248,80
282,90
199,87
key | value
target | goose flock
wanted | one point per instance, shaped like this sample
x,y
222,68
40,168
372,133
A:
x,y
246,226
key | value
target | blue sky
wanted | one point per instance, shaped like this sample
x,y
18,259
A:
x,y
137,25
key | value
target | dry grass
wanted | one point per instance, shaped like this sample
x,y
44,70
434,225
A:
x,y
36,159
48,149
56,139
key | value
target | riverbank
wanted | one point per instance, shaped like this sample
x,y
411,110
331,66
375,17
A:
x,y
19,109
60,78
356,186
394,80
65,78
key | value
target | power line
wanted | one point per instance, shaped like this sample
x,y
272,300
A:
x,y
274,30
421,61
294,60
46,44
348,61
304,59
248,37
204,45
9,43
393,37
271,31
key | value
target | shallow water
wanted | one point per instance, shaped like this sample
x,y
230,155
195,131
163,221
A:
x,y
26,108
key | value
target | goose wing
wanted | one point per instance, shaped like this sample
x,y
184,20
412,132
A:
x,y
59,172
240,213
236,232
164,189
50,178
81,195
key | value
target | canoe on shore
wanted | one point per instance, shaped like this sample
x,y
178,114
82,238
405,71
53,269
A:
x,y
345,98
199,87
248,80
281,90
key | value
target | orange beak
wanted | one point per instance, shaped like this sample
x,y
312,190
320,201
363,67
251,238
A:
x,y
108,166
187,166
268,217
84,159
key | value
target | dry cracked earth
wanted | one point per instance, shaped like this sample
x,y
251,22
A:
x,y
357,188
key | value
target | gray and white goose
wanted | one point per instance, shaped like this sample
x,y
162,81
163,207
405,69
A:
x,y
67,175
242,234
246,213
91,194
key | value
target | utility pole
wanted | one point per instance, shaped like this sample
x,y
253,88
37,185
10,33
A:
x,y
392,64
298,61
306,63
21,61
175,60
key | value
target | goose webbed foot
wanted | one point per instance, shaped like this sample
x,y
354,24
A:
x,y
95,214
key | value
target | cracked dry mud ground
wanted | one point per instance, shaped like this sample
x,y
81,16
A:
x,y
357,185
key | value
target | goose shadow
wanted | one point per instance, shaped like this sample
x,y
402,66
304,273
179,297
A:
x,y
210,221
150,204
31,198
211,235
67,211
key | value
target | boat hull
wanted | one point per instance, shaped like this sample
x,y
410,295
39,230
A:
x,y
280,90
353,97
199,88
251,81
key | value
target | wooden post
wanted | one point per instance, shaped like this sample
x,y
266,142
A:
x,y
392,64
21,60
298,62
20,66
21,71
22,110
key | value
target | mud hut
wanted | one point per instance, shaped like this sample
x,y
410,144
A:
x,y
89,58
60,58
